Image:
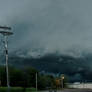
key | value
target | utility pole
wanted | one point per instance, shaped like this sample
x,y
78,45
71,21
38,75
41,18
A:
x,y
62,80
5,31
36,82
6,55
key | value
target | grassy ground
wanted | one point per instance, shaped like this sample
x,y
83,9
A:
x,y
16,89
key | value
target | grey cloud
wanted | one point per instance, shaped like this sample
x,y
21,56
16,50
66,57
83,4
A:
x,y
54,25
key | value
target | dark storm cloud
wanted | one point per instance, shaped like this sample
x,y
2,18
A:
x,y
52,25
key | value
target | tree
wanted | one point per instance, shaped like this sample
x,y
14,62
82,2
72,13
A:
x,y
3,76
30,74
45,81
16,77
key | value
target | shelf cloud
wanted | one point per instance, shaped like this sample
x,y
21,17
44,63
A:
x,y
52,25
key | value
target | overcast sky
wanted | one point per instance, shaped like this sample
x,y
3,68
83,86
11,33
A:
x,y
51,25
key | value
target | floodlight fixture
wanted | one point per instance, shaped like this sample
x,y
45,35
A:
x,y
6,31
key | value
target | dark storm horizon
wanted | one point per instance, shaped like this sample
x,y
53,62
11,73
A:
x,y
62,25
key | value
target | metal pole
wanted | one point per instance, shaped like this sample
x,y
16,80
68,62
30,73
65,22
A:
x,y
36,82
6,33
62,83
6,53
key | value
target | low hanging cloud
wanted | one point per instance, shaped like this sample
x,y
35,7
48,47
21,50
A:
x,y
49,25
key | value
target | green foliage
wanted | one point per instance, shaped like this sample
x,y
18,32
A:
x,y
14,89
45,81
25,78
16,77
30,77
2,76
30,89
65,81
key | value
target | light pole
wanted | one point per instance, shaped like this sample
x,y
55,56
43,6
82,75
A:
x,y
5,31
62,80
36,82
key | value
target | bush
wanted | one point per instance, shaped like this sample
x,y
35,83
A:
x,y
30,89
17,89
12,89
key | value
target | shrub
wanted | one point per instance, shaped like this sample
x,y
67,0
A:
x,y
12,89
30,89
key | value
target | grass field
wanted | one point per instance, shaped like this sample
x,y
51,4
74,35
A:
x,y
16,89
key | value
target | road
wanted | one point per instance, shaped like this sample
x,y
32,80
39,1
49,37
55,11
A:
x,y
72,90
76,90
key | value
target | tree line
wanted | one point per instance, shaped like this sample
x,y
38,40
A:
x,y
27,78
